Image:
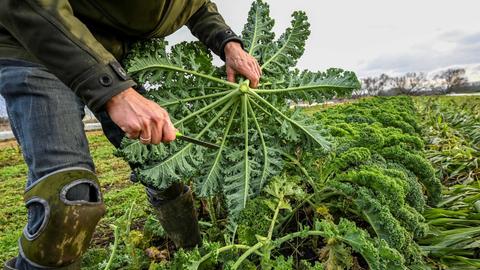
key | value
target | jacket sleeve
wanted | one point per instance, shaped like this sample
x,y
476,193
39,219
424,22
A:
x,y
210,28
51,33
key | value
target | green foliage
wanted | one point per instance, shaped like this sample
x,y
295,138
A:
x,y
377,174
252,126
452,128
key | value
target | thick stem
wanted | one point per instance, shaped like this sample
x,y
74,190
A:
x,y
267,251
192,72
293,122
217,103
274,219
278,52
220,250
195,98
247,253
264,146
116,233
222,146
246,179
298,88
205,129
254,38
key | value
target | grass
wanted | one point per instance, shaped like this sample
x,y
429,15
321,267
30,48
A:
x,y
113,174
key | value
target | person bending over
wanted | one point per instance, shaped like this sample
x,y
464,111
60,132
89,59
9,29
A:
x,y
56,56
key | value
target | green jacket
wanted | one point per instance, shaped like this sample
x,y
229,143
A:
x,y
81,41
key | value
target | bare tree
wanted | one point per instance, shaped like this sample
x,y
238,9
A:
x,y
452,78
400,84
372,86
415,81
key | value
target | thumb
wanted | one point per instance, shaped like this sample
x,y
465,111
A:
x,y
230,74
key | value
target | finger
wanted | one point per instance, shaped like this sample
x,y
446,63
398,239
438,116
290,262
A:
x,y
230,74
259,68
169,131
257,73
132,132
146,133
157,130
251,75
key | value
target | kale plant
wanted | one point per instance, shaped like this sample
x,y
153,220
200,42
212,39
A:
x,y
254,128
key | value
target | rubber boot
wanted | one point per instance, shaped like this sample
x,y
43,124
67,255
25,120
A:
x,y
10,264
176,212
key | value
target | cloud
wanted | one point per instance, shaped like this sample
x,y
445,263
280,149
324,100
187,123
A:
x,y
447,49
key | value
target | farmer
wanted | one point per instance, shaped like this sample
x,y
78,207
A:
x,y
56,56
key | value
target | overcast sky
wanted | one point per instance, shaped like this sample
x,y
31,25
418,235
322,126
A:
x,y
375,36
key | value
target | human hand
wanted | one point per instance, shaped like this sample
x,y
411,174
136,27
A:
x,y
239,61
140,118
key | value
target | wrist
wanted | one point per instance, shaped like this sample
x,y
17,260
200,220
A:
x,y
232,46
119,98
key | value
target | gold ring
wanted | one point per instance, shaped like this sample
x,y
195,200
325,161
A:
x,y
145,139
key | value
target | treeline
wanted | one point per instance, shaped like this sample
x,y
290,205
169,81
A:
x,y
418,83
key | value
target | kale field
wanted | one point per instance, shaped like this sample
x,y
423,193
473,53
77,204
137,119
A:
x,y
400,191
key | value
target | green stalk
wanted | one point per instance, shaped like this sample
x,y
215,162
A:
x,y
192,72
264,146
286,117
247,253
209,107
260,107
222,145
298,88
267,251
278,52
218,251
252,44
195,98
207,127
246,162
274,219
278,242
215,119
116,232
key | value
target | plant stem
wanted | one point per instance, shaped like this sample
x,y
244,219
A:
x,y
278,242
222,146
116,232
220,250
195,98
264,146
267,250
274,219
324,145
205,129
247,253
260,107
209,107
278,52
192,72
298,88
254,38
246,161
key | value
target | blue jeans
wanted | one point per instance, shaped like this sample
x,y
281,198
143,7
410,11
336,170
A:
x,y
46,119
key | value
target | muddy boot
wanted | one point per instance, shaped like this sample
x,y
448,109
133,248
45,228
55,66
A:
x,y
10,264
176,212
